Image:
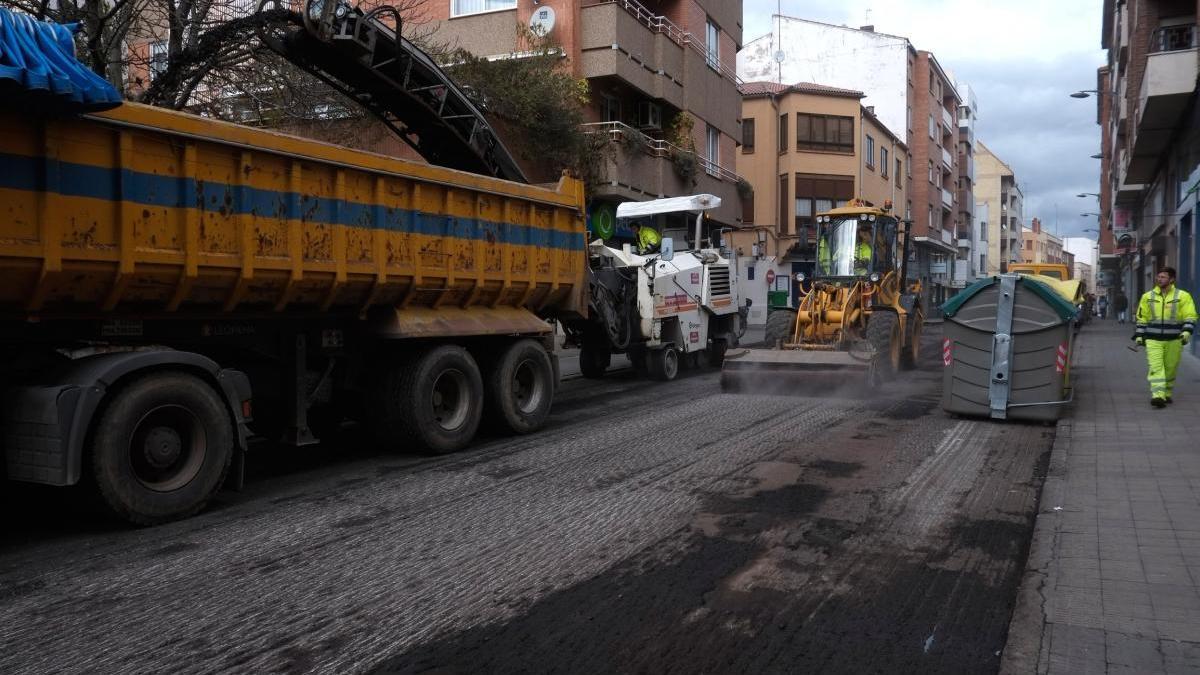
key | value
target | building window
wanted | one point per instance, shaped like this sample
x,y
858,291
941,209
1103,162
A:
x,y
460,7
931,178
899,174
932,128
748,135
909,118
783,204
817,194
783,144
158,59
712,43
908,210
869,152
714,150
610,108
931,227
748,209
883,162
829,133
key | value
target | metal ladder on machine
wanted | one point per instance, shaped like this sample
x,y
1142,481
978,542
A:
x,y
364,58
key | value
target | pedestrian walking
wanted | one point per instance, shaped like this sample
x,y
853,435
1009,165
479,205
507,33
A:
x,y
1166,319
1121,304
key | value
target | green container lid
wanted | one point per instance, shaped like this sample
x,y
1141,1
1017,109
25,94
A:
x,y
1066,311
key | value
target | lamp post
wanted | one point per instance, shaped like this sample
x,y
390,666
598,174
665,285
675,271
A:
x,y
1088,194
1084,93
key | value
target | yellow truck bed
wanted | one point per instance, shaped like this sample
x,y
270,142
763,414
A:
x,y
143,211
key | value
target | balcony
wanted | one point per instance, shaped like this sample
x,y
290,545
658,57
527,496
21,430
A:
x,y
636,167
947,199
1167,86
947,159
948,123
618,44
966,202
661,25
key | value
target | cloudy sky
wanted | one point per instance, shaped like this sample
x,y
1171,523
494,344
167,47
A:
x,y
1023,58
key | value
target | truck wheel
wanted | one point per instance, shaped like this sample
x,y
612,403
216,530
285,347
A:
x,y
883,332
162,448
593,361
520,387
780,325
664,364
434,400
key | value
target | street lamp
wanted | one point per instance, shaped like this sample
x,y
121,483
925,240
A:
x,y
1090,214
1084,93
1087,194
1097,156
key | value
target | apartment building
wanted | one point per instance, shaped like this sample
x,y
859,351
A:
x,y
1040,246
652,67
997,191
934,147
1149,118
808,148
895,79
968,235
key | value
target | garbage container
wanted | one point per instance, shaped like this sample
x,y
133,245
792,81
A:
x,y
1006,349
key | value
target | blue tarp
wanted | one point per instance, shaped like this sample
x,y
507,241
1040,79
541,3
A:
x,y
38,57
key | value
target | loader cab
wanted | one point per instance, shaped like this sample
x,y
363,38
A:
x,y
853,242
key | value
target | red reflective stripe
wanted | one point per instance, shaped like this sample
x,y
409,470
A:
x,y
947,355
1061,361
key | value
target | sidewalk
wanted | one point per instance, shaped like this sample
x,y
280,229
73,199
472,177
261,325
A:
x,y
1113,578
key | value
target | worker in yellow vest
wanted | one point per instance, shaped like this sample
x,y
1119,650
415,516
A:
x,y
647,238
1166,319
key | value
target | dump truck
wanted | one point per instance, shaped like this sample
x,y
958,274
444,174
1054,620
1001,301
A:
x,y
172,286
666,309
859,320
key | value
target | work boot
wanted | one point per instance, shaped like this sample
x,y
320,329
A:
x,y
1158,402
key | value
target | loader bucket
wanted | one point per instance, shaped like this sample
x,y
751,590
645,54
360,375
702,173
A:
x,y
799,372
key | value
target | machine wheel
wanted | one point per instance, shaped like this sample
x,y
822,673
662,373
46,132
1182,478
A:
x,y
593,361
520,387
780,325
664,364
162,448
716,353
912,354
883,332
434,400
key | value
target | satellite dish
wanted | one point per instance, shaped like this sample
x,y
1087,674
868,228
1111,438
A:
x,y
542,21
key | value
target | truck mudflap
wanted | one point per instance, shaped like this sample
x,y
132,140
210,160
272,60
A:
x,y
45,425
803,372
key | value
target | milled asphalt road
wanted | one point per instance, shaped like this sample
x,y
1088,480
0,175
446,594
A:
x,y
651,526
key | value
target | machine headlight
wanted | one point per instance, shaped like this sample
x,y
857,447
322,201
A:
x,y
862,216
874,277
800,277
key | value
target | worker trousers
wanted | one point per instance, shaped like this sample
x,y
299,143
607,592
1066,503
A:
x,y
1163,359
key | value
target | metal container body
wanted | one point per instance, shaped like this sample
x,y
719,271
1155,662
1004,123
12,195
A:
x,y
1038,368
146,212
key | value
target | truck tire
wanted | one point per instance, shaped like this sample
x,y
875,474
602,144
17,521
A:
x,y
593,361
780,325
433,401
664,364
162,448
883,332
520,387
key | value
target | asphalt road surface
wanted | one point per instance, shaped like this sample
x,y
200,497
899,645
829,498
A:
x,y
652,527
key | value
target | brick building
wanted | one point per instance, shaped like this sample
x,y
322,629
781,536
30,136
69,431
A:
x,y
649,66
1150,143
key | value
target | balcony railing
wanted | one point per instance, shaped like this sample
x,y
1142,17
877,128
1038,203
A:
x,y
654,147
1173,38
947,159
681,37
948,121
947,197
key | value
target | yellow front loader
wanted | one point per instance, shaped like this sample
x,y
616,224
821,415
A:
x,y
858,321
